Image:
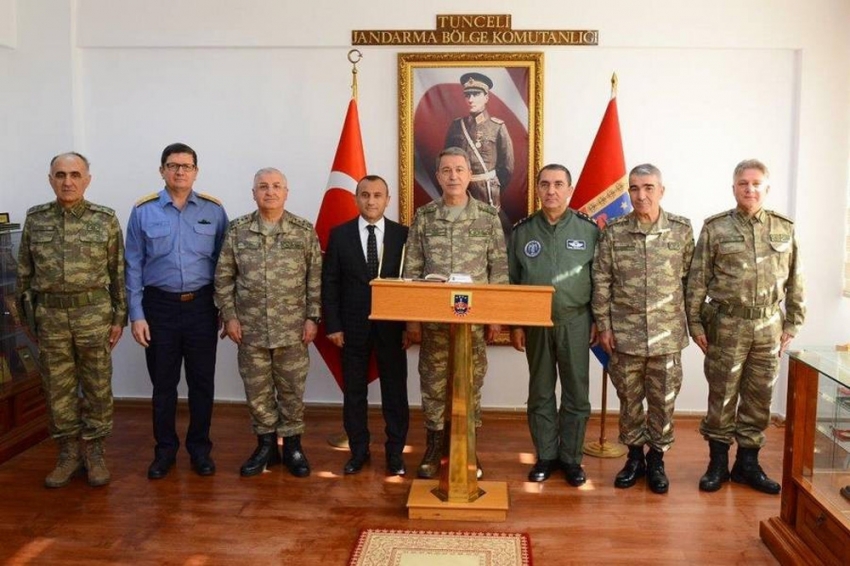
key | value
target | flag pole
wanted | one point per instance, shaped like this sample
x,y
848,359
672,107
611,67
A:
x,y
340,439
602,448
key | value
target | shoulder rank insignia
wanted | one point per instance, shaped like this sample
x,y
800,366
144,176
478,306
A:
x,y
778,215
210,198
101,208
719,215
147,198
497,120
298,221
39,207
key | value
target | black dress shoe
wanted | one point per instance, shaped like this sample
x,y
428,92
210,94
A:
x,y
395,465
574,474
355,463
203,465
542,470
159,467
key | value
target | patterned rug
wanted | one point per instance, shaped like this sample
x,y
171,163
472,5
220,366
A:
x,y
384,547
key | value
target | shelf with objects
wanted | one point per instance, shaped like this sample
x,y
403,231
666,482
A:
x,y
814,522
23,412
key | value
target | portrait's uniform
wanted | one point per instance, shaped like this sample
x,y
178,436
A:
x,y
560,255
472,243
72,262
269,279
491,154
743,268
170,263
639,278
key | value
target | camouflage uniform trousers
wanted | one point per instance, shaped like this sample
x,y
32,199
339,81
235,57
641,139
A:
x,y
274,381
76,359
741,367
657,379
434,371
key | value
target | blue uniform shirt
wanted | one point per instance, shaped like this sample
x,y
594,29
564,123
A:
x,y
171,249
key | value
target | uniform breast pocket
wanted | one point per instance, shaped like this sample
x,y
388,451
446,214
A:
x,y
94,243
203,239
732,257
44,245
158,240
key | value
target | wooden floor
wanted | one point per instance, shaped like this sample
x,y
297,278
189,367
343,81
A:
x,y
276,518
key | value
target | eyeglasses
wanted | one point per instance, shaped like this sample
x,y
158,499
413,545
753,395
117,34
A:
x,y
185,167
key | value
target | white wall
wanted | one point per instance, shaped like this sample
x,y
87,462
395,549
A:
x,y
265,82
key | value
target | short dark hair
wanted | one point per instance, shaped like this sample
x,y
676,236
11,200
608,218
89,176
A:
x,y
372,179
178,148
554,167
69,154
454,151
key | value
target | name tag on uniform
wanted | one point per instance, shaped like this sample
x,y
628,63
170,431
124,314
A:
x,y
437,232
291,245
576,245
478,233
623,247
674,245
780,237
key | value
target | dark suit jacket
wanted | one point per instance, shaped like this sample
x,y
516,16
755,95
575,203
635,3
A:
x,y
346,294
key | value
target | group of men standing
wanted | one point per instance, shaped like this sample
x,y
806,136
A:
x,y
634,288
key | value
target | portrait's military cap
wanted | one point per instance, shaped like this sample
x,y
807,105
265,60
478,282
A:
x,y
476,81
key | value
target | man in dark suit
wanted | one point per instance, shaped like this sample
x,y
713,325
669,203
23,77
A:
x,y
357,251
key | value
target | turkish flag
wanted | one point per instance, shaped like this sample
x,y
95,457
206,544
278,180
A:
x,y
338,206
602,191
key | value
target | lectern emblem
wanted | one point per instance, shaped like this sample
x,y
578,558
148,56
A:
x,y
462,303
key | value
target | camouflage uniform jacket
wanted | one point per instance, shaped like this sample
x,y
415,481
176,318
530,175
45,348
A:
x,y
473,244
639,284
558,254
747,262
73,251
270,282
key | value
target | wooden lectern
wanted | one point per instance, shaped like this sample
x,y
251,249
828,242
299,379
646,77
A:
x,y
458,495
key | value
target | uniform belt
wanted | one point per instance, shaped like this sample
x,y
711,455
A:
x,y
72,300
747,313
205,291
484,176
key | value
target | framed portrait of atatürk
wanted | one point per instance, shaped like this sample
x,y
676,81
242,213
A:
x,y
488,104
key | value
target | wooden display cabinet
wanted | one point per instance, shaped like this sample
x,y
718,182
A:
x,y
813,526
23,412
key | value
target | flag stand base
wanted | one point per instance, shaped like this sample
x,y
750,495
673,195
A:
x,y
338,440
604,449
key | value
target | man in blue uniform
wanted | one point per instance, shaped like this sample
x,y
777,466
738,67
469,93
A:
x,y
173,241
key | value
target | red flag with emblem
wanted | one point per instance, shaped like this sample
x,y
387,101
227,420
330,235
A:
x,y
338,206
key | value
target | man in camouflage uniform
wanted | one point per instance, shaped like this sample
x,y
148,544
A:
x,y
486,141
746,263
554,246
456,234
71,265
639,275
267,286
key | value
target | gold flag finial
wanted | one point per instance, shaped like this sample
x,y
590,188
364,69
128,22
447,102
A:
x,y
614,85
354,57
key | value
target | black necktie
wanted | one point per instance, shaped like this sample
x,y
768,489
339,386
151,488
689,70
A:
x,y
372,252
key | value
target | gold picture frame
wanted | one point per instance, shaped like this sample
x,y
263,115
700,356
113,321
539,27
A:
x,y
431,98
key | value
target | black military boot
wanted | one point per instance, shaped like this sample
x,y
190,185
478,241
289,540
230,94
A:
x,y
634,469
294,458
747,470
656,479
430,465
264,456
718,466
